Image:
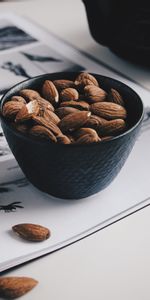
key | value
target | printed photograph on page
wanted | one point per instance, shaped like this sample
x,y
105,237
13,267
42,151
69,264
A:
x,y
11,36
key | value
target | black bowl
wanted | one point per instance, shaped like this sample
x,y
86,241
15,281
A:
x,y
74,171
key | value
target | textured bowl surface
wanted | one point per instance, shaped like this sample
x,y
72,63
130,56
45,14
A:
x,y
74,171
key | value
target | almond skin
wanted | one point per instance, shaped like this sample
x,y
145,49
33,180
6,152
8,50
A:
x,y
82,131
88,139
42,132
29,94
108,110
69,94
112,127
74,121
48,124
50,92
18,99
11,109
84,79
32,232
14,287
81,105
63,139
64,111
63,84
44,104
115,97
51,116
94,94
95,122
27,112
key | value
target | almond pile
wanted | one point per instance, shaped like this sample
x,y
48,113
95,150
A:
x,y
68,112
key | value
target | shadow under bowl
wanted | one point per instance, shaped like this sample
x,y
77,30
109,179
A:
x,y
74,171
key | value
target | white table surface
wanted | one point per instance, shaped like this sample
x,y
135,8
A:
x,y
114,263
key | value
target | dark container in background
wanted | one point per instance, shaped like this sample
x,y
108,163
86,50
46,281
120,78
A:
x,y
123,26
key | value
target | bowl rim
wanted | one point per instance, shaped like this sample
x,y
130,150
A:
x,y
2,101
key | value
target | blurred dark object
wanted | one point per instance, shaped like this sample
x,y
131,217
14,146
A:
x,y
123,26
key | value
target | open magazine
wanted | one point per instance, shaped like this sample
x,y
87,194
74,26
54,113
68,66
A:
x,y
27,50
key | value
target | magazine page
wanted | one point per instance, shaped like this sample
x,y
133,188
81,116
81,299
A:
x,y
28,51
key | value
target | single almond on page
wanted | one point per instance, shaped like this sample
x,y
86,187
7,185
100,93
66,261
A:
x,y
15,287
27,112
69,94
11,109
74,121
32,232
63,84
42,132
84,79
94,94
50,92
108,110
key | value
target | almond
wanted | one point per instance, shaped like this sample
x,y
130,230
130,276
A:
x,y
115,97
74,121
44,104
50,92
63,84
48,124
42,132
69,94
94,93
51,116
81,105
14,287
11,109
29,95
32,232
64,111
27,112
82,131
84,79
108,110
112,127
63,139
88,139
95,121
18,99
